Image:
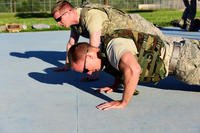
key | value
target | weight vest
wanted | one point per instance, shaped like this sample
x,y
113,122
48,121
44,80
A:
x,y
117,19
149,48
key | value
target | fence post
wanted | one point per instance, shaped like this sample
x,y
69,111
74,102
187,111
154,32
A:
x,y
31,6
10,5
50,6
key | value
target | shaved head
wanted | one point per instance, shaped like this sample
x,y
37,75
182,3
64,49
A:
x,y
61,6
78,52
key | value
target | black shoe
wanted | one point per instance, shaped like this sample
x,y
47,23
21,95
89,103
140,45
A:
x,y
175,23
178,23
136,92
196,25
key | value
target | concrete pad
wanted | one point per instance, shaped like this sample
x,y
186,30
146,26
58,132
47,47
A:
x,y
35,99
175,31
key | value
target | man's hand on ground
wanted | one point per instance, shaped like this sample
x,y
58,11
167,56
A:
x,y
109,89
105,89
111,105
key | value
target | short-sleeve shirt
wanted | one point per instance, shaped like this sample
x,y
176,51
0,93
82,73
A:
x,y
94,20
117,47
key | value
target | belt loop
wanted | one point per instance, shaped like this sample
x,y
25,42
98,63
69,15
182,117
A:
x,y
174,57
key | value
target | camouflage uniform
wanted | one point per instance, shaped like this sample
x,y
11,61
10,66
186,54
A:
x,y
184,62
187,61
188,64
116,19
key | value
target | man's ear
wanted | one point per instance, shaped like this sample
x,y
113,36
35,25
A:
x,y
90,55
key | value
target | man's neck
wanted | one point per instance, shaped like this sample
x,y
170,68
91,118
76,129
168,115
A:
x,y
76,16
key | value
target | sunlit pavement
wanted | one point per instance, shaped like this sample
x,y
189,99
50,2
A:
x,y
36,99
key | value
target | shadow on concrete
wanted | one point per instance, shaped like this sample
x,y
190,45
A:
x,y
51,57
51,77
171,83
174,31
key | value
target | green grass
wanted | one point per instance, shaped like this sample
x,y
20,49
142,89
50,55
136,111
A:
x,y
158,17
161,17
7,18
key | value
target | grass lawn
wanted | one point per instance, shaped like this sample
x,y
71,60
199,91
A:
x,y
162,17
159,17
29,20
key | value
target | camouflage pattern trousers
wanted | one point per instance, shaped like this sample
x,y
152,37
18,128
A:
x,y
188,65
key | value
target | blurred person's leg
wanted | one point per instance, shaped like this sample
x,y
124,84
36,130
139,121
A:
x,y
189,22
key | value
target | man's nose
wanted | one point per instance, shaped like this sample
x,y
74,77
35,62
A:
x,y
89,73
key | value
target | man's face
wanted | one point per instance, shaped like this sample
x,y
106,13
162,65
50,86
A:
x,y
63,18
90,64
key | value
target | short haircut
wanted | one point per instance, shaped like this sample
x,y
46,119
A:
x,y
60,5
78,52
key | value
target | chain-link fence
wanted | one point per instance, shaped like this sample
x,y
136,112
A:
x,y
47,5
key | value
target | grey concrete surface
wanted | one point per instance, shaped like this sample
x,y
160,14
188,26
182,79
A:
x,y
175,31
35,99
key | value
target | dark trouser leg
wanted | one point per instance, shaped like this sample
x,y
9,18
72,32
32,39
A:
x,y
191,13
187,10
187,20
193,8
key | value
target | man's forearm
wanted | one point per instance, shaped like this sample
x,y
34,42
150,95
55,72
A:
x,y
68,46
95,39
131,72
130,84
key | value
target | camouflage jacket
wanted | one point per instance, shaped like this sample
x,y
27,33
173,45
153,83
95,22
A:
x,y
149,48
117,19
